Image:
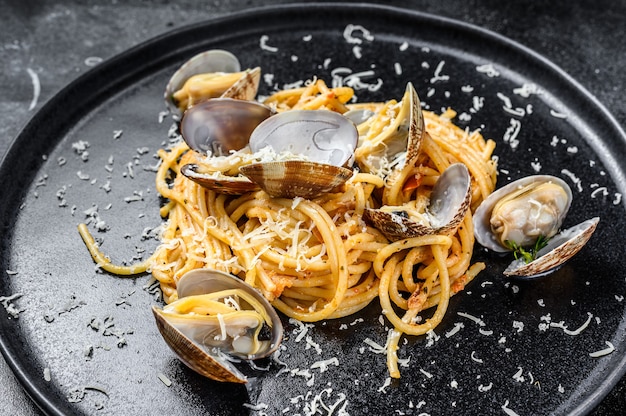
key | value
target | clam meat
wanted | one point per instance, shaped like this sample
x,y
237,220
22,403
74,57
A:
x,y
447,206
218,319
211,74
313,150
398,144
525,217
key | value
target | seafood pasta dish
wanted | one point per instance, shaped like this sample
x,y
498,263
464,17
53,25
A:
x,y
311,204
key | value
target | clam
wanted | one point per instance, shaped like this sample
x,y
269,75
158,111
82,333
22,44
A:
x,y
312,149
449,201
210,74
558,250
523,214
397,145
220,127
218,319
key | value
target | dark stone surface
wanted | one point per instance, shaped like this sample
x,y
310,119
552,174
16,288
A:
x,y
61,40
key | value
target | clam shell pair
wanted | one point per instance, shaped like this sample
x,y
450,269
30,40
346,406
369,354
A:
x,y
218,319
399,144
320,145
522,211
228,120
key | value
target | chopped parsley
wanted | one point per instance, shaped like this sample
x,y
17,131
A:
x,y
527,254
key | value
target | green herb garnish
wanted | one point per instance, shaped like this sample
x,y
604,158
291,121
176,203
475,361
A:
x,y
527,254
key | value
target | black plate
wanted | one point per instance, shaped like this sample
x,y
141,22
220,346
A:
x,y
85,342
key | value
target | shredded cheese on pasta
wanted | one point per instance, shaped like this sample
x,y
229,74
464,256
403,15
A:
x,y
318,259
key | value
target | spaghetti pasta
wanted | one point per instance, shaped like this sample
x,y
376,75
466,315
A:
x,y
318,259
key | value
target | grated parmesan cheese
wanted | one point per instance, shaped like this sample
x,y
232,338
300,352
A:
x,y
488,69
349,34
164,379
264,46
610,348
437,76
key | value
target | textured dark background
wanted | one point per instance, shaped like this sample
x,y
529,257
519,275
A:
x,y
60,40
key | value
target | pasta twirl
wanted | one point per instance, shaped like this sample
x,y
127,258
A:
x,y
318,259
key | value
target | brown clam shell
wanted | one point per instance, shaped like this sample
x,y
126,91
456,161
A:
x,y
397,227
561,248
452,187
296,178
246,87
193,356
229,185
416,125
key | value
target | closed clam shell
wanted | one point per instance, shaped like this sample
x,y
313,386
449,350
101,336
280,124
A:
x,y
228,185
559,249
296,178
450,200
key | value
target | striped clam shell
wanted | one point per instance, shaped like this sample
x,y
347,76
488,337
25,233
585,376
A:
x,y
450,200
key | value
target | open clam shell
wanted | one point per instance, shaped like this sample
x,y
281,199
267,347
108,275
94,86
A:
x,y
318,145
450,199
525,216
320,136
217,319
220,126
518,214
558,250
215,61
400,143
211,74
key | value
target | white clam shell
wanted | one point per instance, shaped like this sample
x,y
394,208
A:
x,y
402,143
319,143
191,336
